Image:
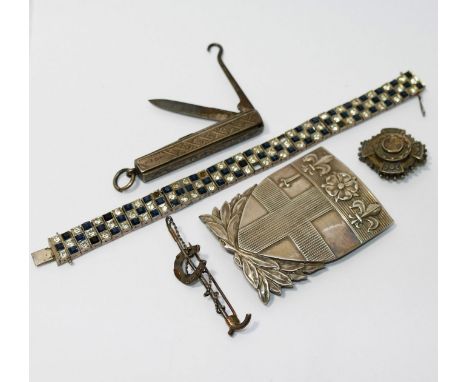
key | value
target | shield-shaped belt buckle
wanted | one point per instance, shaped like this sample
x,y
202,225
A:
x,y
307,214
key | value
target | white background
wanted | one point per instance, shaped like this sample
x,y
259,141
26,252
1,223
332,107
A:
x,y
119,314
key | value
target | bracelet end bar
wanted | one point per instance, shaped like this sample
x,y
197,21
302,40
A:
x,y
43,256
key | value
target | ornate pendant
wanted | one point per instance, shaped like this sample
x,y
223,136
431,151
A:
x,y
309,213
392,153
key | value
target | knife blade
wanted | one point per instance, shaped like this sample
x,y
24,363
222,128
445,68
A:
x,y
192,110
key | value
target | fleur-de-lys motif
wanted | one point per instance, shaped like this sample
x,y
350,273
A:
x,y
365,214
314,164
341,186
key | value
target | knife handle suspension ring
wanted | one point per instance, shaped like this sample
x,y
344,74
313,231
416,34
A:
x,y
131,174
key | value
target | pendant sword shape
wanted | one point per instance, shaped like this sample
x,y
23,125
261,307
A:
x,y
287,182
186,259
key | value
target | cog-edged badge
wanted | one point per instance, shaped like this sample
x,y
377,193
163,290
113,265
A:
x,y
392,153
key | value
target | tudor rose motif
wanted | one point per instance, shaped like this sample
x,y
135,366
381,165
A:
x,y
341,186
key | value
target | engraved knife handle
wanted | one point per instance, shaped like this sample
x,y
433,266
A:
x,y
198,145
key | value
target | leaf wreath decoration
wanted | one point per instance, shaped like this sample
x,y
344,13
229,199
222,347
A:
x,y
265,274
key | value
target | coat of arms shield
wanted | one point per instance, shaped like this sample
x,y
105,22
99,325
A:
x,y
307,214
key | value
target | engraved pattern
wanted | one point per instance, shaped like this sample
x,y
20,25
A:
x,y
279,224
345,209
197,141
269,196
309,242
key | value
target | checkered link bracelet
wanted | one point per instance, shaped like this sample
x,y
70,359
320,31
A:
x,y
93,233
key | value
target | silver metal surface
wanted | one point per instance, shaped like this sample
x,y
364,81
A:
x,y
279,235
